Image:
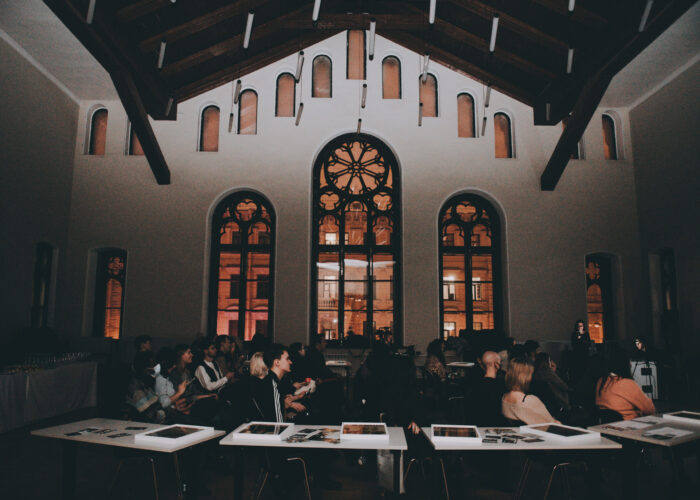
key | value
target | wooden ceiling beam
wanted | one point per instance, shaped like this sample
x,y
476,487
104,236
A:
x,y
232,44
125,83
141,8
352,21
581,14
243,63
456,63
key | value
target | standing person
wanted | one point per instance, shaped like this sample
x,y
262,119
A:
x,y
517,404
617,391
580,339
580,346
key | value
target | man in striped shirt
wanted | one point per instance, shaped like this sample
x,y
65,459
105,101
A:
x,y
270,400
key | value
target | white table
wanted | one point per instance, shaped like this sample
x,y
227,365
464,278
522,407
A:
x,y
396,444
460,364
548,444
119,426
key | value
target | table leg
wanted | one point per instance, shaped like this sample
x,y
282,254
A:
x,y
178,480
70,449
397,473
238,473
679,477
444,478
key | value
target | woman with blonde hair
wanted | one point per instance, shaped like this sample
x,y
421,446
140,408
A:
x,y
258,368
517,404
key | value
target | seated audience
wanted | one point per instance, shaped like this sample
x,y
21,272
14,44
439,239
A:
x,y
517,404
224,359
532,349
435,362
209,375
141,394
183,360
617,391
484,401
549,387
259,343
504,353
316,361
297,353
143,343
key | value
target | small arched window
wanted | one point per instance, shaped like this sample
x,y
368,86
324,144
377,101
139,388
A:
x,y
134,148
609,138
503,135
286,95
391,78
465,115
356,55
428,95
322,77
248,113
98,132
209,129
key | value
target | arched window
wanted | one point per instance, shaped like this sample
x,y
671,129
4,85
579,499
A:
x,y
134,148
465,116
576,154
599,297
503,137
428,94
469,266
98,132
356,240
286,95
209,129
356,55
391,78
322,77
242,258
110,280
609,138
248,113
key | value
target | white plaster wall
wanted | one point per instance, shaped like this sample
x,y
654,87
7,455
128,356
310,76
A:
x,y
37,137
546,235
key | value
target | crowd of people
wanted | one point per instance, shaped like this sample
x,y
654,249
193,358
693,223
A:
x,y
218,382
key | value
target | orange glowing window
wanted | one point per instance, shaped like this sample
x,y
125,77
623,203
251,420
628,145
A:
x,y
465,115
428,95
110,279
286,95
502,135
609,138
98,132
135,148
356,55
209,129
322,77
248,113
391,78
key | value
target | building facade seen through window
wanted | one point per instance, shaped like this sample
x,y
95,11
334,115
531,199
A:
x,y
599,297
110,280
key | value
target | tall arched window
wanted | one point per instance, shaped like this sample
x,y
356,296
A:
x,y
356,240
609,138
503,135
322,77
391,78
465,115
599,297
98,132
110,281
242,258
134,148
469,266
428,95
286,95
356,55
209,129
248,113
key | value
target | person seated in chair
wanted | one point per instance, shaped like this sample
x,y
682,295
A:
x,y
617,391
517,404
210,376
549,387
143,343
487,391
141,394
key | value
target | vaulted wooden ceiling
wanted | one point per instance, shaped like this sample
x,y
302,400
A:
x,y
203,48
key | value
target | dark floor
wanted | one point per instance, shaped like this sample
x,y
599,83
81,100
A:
x,y
30,468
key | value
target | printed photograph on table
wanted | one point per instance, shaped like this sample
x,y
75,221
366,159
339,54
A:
x,y
363,430
173,435
560,432
684,416
455,433
264,431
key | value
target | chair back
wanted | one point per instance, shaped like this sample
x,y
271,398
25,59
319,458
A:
x,y
605,416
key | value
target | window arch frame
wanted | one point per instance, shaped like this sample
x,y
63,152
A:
x,y
511,132
474,114
330,76
277,96
217,222
200,130
240,103
420,98
482,205
368,249
616,135
91,130
398,60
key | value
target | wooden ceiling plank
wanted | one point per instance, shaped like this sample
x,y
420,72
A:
x,y
350,21
460,65
249,63
123,80
580,14
141,8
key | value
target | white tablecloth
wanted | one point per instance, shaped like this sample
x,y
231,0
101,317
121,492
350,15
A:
x,y
33,396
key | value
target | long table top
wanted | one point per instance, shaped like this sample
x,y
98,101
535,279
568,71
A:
x,y
397,440
594,443
115,427
646,425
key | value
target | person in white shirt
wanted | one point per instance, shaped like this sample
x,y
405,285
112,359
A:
x,y
210,376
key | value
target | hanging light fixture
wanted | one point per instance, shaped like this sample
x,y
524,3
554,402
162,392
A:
x,y
645,15
161,54
237,92
359,125
364,95
91,12
300,64
317,8
169,106
426,61
431,13
547,110
487,98
483,127
569,61
494,32
572,4
420,114
248,29
301,110
372,36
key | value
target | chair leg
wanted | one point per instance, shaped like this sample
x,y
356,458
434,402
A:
x,y
178,480
306,475
262,479
155,478
114,480
444,478
408,469
523,479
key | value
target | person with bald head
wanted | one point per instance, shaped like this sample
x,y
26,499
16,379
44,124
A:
x,y
485,399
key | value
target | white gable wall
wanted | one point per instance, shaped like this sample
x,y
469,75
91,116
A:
x,y
546,235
